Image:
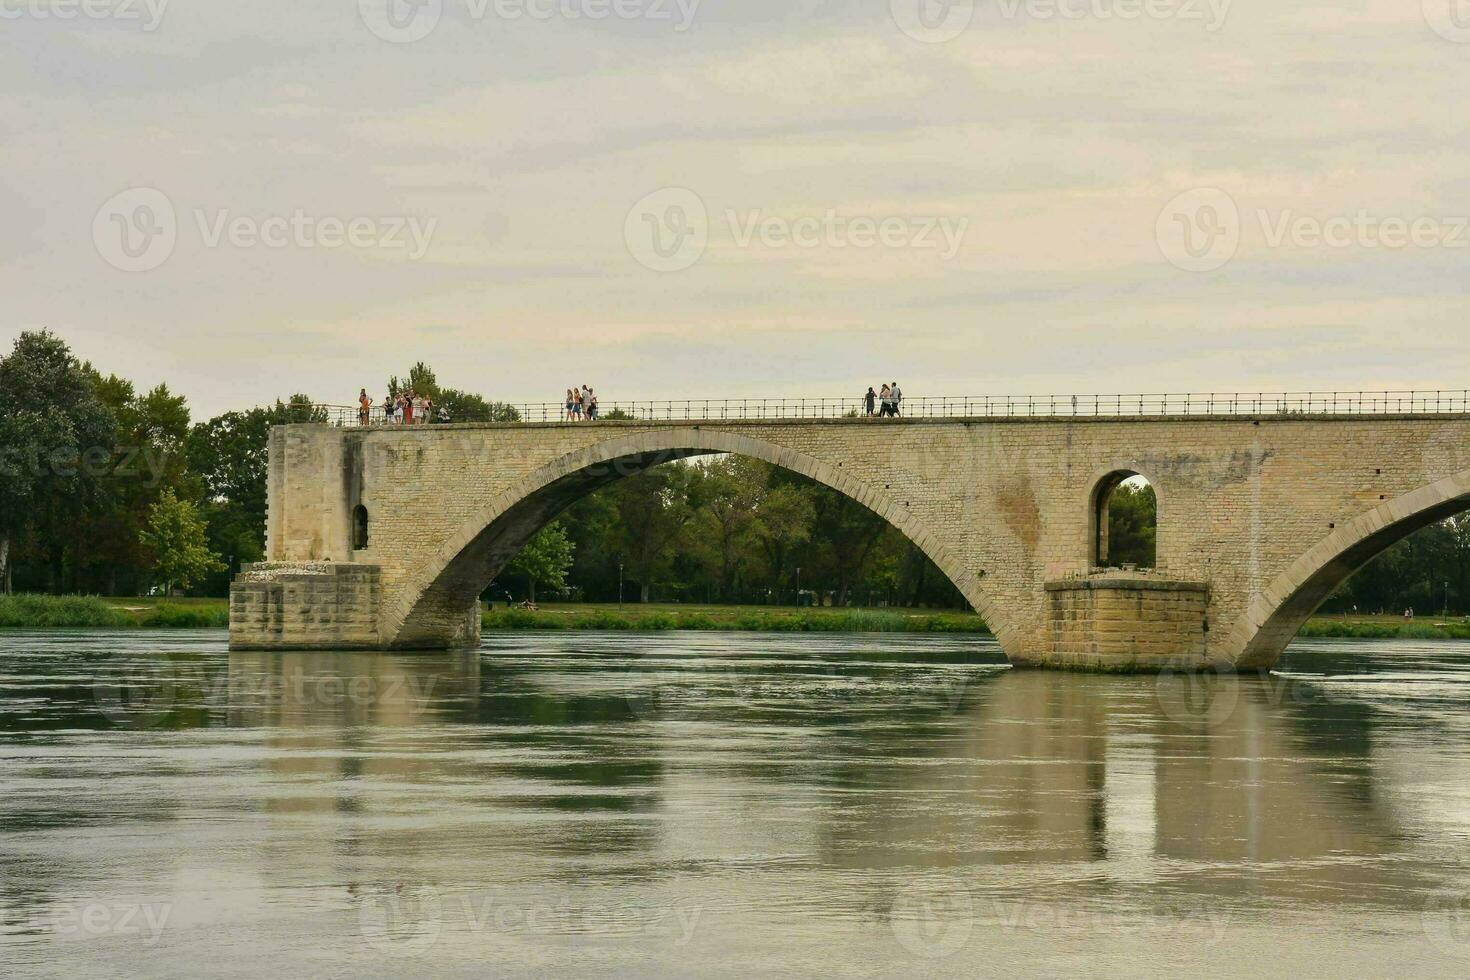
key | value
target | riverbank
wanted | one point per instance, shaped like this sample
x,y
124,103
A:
x,y
1387,627
92,612
659,617
150,612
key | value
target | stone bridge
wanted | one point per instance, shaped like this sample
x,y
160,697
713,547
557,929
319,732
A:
x,y
383,538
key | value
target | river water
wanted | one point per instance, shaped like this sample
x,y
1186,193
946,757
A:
x,y
726,804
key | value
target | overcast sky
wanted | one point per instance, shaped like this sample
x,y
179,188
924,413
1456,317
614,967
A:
x,y
740,197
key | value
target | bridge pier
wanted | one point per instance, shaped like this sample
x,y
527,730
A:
x,y
1127,621
309,605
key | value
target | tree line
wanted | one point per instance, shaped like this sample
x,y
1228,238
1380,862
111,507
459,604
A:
x,y
105,489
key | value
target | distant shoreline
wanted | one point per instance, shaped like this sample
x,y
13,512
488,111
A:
x,y
125,613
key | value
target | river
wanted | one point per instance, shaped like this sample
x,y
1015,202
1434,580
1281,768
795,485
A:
x,y
726,805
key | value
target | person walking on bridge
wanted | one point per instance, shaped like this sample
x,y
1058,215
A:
x,y
868,401
897,396
364,407
885,402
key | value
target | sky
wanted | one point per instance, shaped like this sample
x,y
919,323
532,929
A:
x,y
739,198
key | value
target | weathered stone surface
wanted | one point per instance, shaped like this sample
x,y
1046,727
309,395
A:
x,y
305,605
1128,621
1268,513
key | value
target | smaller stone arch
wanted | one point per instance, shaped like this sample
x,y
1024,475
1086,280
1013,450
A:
x,y
1104,484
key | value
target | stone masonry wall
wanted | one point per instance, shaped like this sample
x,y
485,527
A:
x,y
1124,621
1002,504
305,606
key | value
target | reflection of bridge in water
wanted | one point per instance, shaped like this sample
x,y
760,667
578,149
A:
x,y
1160,790
384,537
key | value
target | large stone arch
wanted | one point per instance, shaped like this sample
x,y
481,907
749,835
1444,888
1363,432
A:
x,y
469,558
1276,614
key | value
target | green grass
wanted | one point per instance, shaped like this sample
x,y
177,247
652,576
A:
x,y
92,612
51,612
1386,628
767,619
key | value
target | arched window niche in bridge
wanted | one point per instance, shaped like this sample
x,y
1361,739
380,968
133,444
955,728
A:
x,y
359,528
1123,525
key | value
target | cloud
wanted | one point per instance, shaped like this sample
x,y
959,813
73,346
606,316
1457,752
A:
x,y
527,143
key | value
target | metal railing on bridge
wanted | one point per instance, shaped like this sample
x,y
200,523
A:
x,y
959,407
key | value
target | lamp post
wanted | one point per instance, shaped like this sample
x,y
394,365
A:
x,y
620,583
798,585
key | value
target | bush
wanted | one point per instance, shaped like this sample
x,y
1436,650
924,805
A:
x,y
56,611
516,619
1420,631
185,617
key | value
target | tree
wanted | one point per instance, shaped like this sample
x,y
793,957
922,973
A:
x,y
55,428
784,524
463,406
727,495
25,440
1132,525
458,406
545,560
844,535
175,535
653,511
152,433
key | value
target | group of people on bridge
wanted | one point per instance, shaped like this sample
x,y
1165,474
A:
x,y
887,403
407,407
581,404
